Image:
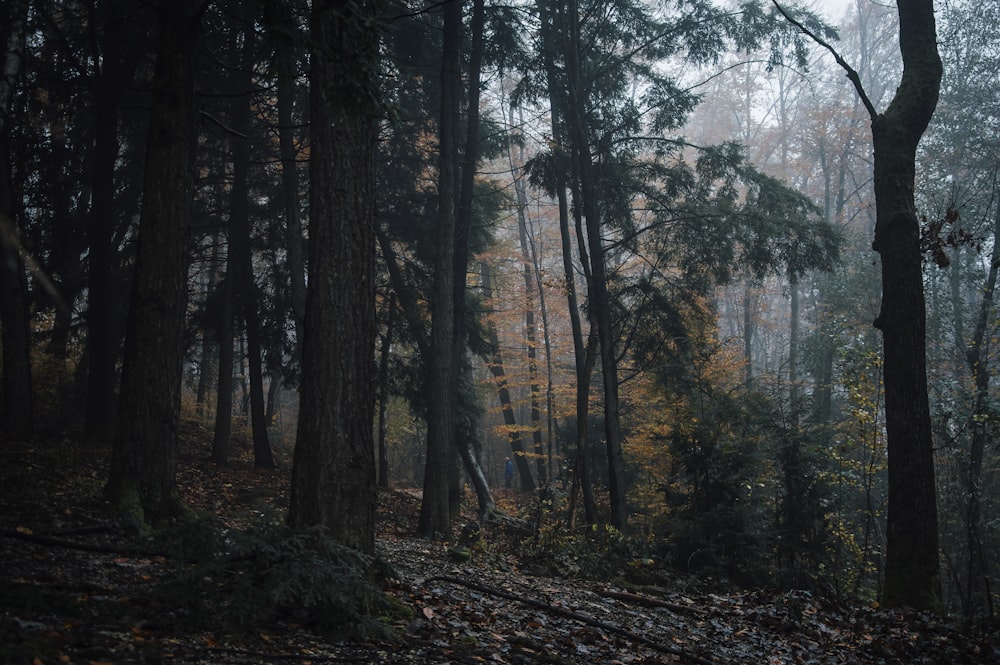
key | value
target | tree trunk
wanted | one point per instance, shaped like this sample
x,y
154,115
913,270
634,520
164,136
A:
x,y
333,473
208,365
495,364
979,592
912,566
530,330
16,410
408,305
239,245
224,392
104,330
142,480
599,296
290,191
383,394
581,351
434,510
463,222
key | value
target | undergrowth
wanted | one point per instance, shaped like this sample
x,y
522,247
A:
x,y
243,579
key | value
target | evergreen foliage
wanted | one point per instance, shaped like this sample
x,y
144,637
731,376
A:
x,y
240,579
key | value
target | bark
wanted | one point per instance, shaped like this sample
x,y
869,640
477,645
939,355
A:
x,y
408,305
142,479
333,472
530,329
912,573
434,510
599,296
463,223
17,406
383,394
207,366
582,352
224,390
495,364
290,190
979,592
241,255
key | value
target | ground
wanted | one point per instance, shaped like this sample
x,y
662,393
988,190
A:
x,y
75,588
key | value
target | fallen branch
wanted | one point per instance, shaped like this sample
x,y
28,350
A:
x,y
74,545
575,616
649,601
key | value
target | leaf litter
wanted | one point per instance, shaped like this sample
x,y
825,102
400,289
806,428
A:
x,y
74,589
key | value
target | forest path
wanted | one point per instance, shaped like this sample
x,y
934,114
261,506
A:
x,y
89,603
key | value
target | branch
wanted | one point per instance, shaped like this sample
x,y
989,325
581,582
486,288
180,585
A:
x,y
575,616
851,73
74,545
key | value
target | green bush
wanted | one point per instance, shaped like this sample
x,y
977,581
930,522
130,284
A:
x,y
243,579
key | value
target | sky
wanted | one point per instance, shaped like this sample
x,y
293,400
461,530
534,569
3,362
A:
x,y
832,9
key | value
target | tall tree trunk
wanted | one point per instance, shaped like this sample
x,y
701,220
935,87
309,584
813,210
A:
x,y
582,352
793,348
977,571
224,390
599,296
383,394
912,572
530,329
333,472
208,369
16,409
245,290
912,568
434,509
290,190
495,364
142,480
408,305
463,223
104,330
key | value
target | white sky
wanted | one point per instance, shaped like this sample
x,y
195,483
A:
x,y
832,9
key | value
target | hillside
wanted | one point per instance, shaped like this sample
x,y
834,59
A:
x,y
76,589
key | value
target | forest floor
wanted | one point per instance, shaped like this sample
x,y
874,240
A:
x,y
75,589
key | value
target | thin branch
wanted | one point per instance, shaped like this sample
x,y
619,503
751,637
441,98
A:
x,y
852,74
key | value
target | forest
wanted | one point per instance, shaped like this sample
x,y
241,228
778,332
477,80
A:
x,y
311,309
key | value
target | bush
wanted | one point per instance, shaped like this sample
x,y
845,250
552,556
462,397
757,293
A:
x,y
242,579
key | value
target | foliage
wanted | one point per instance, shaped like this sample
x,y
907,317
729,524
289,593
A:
x,y
594,552
240,579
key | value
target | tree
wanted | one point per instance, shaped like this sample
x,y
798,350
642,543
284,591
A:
x,y
333,472
142,479
912,573
434,509
16,410
115,70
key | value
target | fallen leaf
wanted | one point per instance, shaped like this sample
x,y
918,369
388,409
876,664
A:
x,y
429,613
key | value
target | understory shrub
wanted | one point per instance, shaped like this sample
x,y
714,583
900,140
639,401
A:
x,y
242,579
